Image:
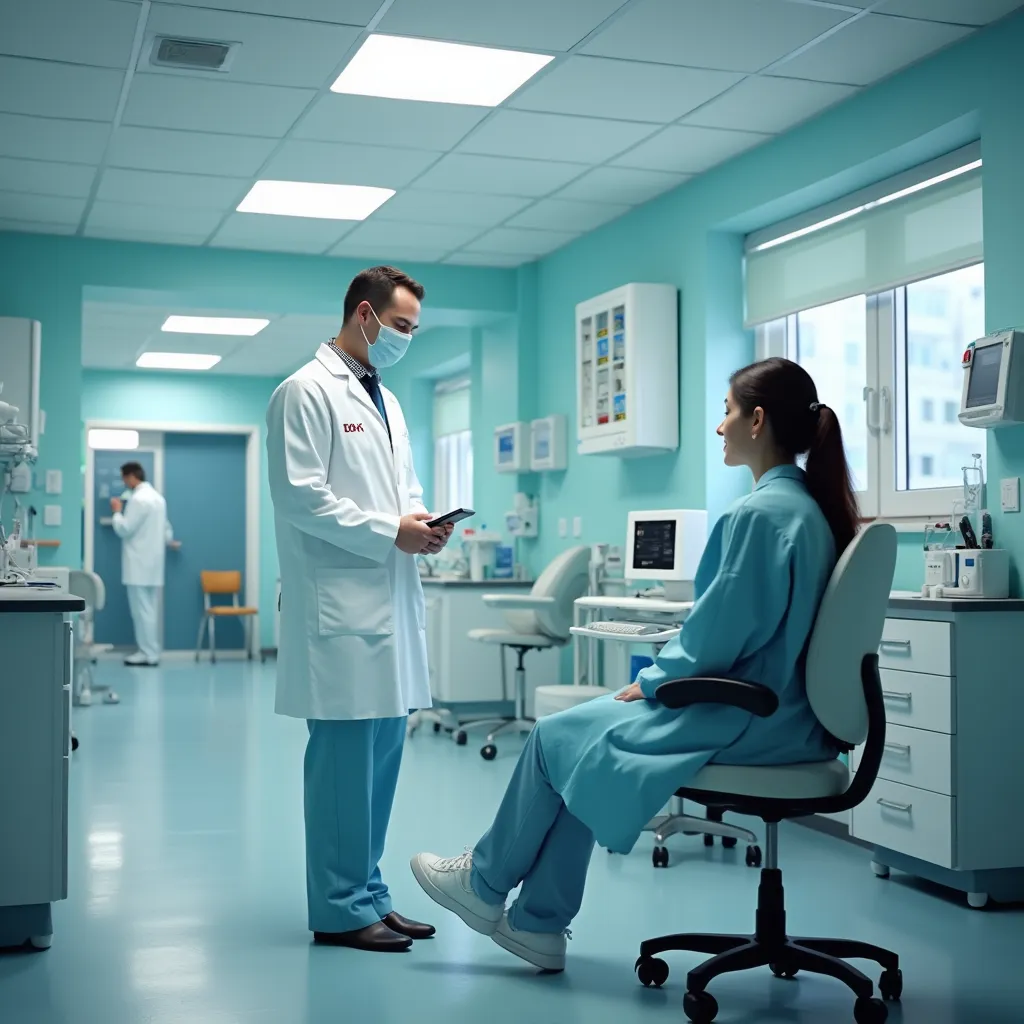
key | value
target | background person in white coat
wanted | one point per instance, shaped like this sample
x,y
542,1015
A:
x,y
142,525
352,657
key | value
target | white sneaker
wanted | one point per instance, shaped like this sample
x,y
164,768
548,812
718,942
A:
x,y
545,950
139,660
446,882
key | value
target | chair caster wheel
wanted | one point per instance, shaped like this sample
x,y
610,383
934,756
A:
x,y
489,753
870,1011
700,1007
753,856
709,840
784,971
41,942
977,900
460,738
653,973
437,727
880,870
659,857
729,842
890,985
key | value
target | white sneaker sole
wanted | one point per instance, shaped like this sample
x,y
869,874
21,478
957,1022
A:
x,y
442,899
545,961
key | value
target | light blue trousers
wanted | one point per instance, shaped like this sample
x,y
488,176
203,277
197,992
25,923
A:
x,y
534,840
351,771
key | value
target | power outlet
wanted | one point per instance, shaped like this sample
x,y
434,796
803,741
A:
x,y
577,527
52,515
563,527
1009,494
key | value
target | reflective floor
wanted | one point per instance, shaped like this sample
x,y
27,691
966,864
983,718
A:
x,y
187,900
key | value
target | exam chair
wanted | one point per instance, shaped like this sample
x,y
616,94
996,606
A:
x,y
536,621
89,587
845,692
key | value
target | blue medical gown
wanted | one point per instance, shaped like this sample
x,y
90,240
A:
x,y
757,591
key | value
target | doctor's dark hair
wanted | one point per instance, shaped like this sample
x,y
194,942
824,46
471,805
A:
x,y
376,286
134,469
801,424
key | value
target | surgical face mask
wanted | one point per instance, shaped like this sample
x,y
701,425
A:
x,y
389,347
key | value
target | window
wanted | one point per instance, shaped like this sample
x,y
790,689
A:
x,y
927,465
927,410
952,410
453,446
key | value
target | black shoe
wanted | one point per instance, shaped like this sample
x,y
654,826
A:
x,y
375,938
414,929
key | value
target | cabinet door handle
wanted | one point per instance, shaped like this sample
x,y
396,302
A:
x,y
897,695
893,806
902,644
899,748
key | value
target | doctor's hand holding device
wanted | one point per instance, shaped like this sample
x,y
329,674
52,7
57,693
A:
x,y
352,657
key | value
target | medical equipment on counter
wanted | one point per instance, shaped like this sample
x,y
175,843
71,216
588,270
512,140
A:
x,y
993,389
547,444
984,573
666,547
480,547
511,454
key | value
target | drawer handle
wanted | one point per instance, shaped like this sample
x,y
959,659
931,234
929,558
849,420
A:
x,y
897,695
904,644
899,748
893,806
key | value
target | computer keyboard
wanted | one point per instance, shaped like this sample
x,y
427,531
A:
x,y
627,628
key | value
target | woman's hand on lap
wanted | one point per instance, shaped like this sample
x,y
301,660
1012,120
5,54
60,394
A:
x,y
631,693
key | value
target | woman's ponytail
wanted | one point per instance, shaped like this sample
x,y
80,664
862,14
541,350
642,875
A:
x,y
828,479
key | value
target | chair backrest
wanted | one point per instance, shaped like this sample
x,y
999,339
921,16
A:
x,y
565,578
89,587
221,582
848,626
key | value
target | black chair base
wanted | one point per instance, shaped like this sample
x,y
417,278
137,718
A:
x,y
771,947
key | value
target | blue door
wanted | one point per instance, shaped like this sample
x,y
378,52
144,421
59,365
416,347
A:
x,y
114,623
204,484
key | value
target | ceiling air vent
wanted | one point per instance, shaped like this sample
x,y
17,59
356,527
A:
x,y
190,54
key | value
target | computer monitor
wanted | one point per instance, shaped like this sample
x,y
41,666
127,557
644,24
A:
x,y
666,547
993,391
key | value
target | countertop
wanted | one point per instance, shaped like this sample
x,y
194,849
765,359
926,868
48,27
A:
x,y
909,600
451,581
38,599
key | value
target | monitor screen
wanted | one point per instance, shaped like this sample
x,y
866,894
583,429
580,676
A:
x,y
983,387
654,545
506,447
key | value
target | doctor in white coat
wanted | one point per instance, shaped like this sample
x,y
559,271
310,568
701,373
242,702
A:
x,y
145,533
352,658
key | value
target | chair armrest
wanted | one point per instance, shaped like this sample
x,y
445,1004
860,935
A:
x,y
752,697
518,602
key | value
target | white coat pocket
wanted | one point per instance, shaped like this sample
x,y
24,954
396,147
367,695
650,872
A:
x,y
354,602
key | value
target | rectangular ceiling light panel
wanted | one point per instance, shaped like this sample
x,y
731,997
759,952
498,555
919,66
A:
x,y
313,199
176,361
113,440
240,325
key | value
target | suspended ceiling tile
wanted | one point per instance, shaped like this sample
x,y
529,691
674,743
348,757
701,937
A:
x,y
97,32
621,184
211,344
420,206
389,253
587,140
870,49
598,87
205,105
151,217
45,177
347,164
732,35
459,172
956,12
36,228
765,104
567,215
386,235
273,51
521,241
284,234
47,89
526,24
339,12
371,120
486,259
41,209
689,150
160,189
188,152
36,138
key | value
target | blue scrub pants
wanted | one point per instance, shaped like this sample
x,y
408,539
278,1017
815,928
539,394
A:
x,y
351,771
536,841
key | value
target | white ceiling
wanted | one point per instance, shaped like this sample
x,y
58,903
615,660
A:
x,y
642,95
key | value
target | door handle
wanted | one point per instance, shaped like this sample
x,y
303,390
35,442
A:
x,y
886,424
893,806
896,695
902,644
870,396
899,748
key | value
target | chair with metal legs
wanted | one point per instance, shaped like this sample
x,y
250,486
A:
x,y
224,584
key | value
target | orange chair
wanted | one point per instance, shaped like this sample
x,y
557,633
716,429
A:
x,y
227,584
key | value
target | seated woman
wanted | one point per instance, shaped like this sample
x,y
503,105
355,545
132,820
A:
x,y
601,770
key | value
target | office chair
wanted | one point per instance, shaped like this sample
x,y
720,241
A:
x,y
845,692
89,587
227,584
538,620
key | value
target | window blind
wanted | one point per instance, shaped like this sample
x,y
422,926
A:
x,y
451,408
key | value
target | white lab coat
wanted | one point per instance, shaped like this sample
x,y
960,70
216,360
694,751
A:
x,y
145,534
352,642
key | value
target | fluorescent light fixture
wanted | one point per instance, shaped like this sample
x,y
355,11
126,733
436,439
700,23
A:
x,y
399,68
847,214
113,440
176,361
247,326
313,199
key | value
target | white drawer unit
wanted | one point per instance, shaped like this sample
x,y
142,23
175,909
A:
x,y
917,758
907,820
916,645
918,700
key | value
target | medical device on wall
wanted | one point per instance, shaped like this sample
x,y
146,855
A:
x,y
522,520
666,547
20,348
547,444
627,372
511,453
993,391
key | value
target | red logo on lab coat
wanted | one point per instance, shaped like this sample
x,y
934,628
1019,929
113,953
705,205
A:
x,y
353,428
